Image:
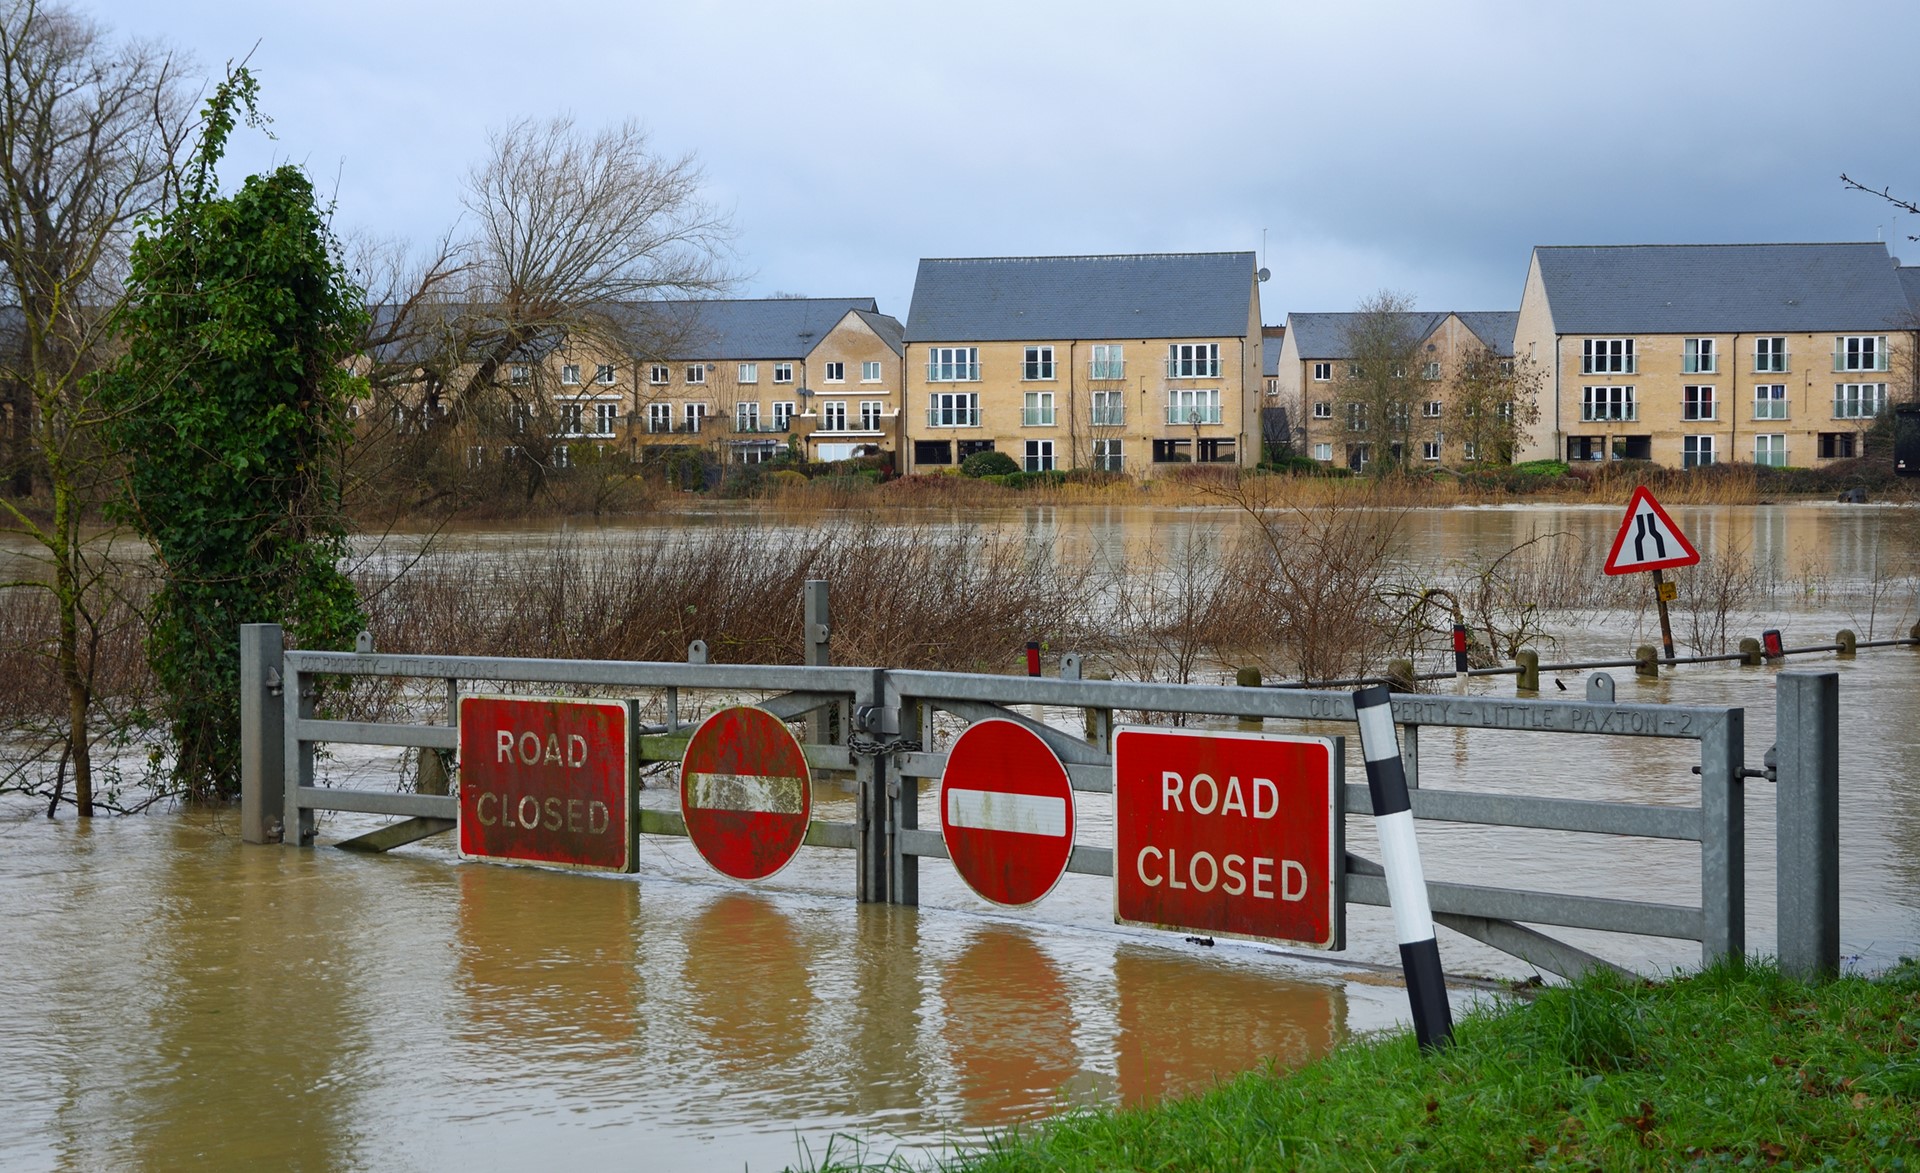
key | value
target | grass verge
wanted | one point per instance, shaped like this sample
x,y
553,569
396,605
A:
x,y
1736,1067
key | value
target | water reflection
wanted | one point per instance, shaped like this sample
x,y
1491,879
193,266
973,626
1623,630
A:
x,y
1009,1026
747,983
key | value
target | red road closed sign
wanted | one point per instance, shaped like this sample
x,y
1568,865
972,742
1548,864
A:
x,y
1006,811
746,792
1236,834
546,780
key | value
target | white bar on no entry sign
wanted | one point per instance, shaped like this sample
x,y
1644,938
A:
x,y
744,792
996,810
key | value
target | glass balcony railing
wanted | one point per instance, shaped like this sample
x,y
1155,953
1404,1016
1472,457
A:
x,y
1193,368
953,417
953,372
1193,415
1109,417
1036,417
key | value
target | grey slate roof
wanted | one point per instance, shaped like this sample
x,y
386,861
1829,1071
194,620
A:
x,y
1720,288
1325,335
1494,328
1910,281
888,327
1149,295
1270,355
750,328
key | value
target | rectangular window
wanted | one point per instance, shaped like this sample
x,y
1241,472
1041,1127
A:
x,y
1430,449
1356,417
519,374
1606,356
696,415
1039,456
947,409
870,410
869,372
561,457
1699,358
783,372
1323,373
1860,352
605,417
965,448
835,372
697,373
1323,409
953,364
1770,450
1696,403
657,374
1836,445
1038,363
1469,451
603,374
659,417
1769,355
1696,451
1038,410
932,452
1172,451
1193,407
1109,361
1858,401
1607,403
1108,456
1432,373
783,415
570,421
746,417
1323,452
1193,360
1109,409
1770,401
749,372
1431,410
570,374
833,415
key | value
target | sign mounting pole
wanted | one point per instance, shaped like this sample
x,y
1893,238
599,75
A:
x,y
1661,591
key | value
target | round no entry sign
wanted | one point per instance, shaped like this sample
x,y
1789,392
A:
x,y
1006,810
745,792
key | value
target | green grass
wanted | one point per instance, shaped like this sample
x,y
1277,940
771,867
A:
x,y
1737,1067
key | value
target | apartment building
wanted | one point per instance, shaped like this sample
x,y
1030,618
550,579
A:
x,y
1317,354
1693,354
1131,363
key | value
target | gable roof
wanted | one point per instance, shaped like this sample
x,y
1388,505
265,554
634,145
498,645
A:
x,y
1720,288
1270,347
1494,328
749,328
887,326
1141,295
1910,281
1325,335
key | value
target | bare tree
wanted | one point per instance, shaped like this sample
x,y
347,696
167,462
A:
x,y
1885,193
90,133
1378,392
1497,400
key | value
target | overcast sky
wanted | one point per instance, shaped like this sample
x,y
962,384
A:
x,y
1423,148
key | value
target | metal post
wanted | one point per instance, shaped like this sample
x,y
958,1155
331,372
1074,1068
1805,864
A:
x,y
263,779
1723,839
874,823
1807,706
904,791
1666,625
816,649
296,697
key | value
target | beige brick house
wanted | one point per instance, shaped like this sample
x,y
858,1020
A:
x,y
1131,363
1696,354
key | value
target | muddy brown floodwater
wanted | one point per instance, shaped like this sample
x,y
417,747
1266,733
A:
x,y
178,1000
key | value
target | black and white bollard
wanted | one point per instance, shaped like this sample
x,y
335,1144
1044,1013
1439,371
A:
x,y
1406,883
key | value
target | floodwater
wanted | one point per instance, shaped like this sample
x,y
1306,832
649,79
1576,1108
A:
x,y
182,1001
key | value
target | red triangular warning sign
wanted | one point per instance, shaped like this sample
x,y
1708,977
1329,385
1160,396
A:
x,y
1648,539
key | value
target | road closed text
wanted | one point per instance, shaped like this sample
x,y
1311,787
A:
x,y
545,780
1226,833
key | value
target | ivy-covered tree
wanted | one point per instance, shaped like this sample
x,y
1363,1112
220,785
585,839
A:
x,y
240,326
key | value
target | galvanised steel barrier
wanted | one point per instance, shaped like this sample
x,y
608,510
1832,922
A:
x,y
871,723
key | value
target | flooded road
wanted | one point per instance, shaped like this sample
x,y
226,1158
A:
x,y
180,1001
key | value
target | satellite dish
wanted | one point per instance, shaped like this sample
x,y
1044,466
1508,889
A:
x,y
1263,274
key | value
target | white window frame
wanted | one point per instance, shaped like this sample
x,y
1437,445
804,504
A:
x,y
1323,409
1860,352
562,456
1356,417
659,418
1196,405
1770,448
658,375
783,414
604,374
1770,401
1430,449
1858,401
749,372
697,374
1699,357
870,372
1469,451
1431,409
573,419
1109,361
606,417
1770,355
746,417
1432,373
833,415
1193,360
1036,365
1607,356
1109,455
833,372
1037,410
1109,409
783,372
519,374
953,364
1697,402
953,409
870,412
1039,456
1323,452
1323,373
1696,451
570,374
1608,402
696,415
